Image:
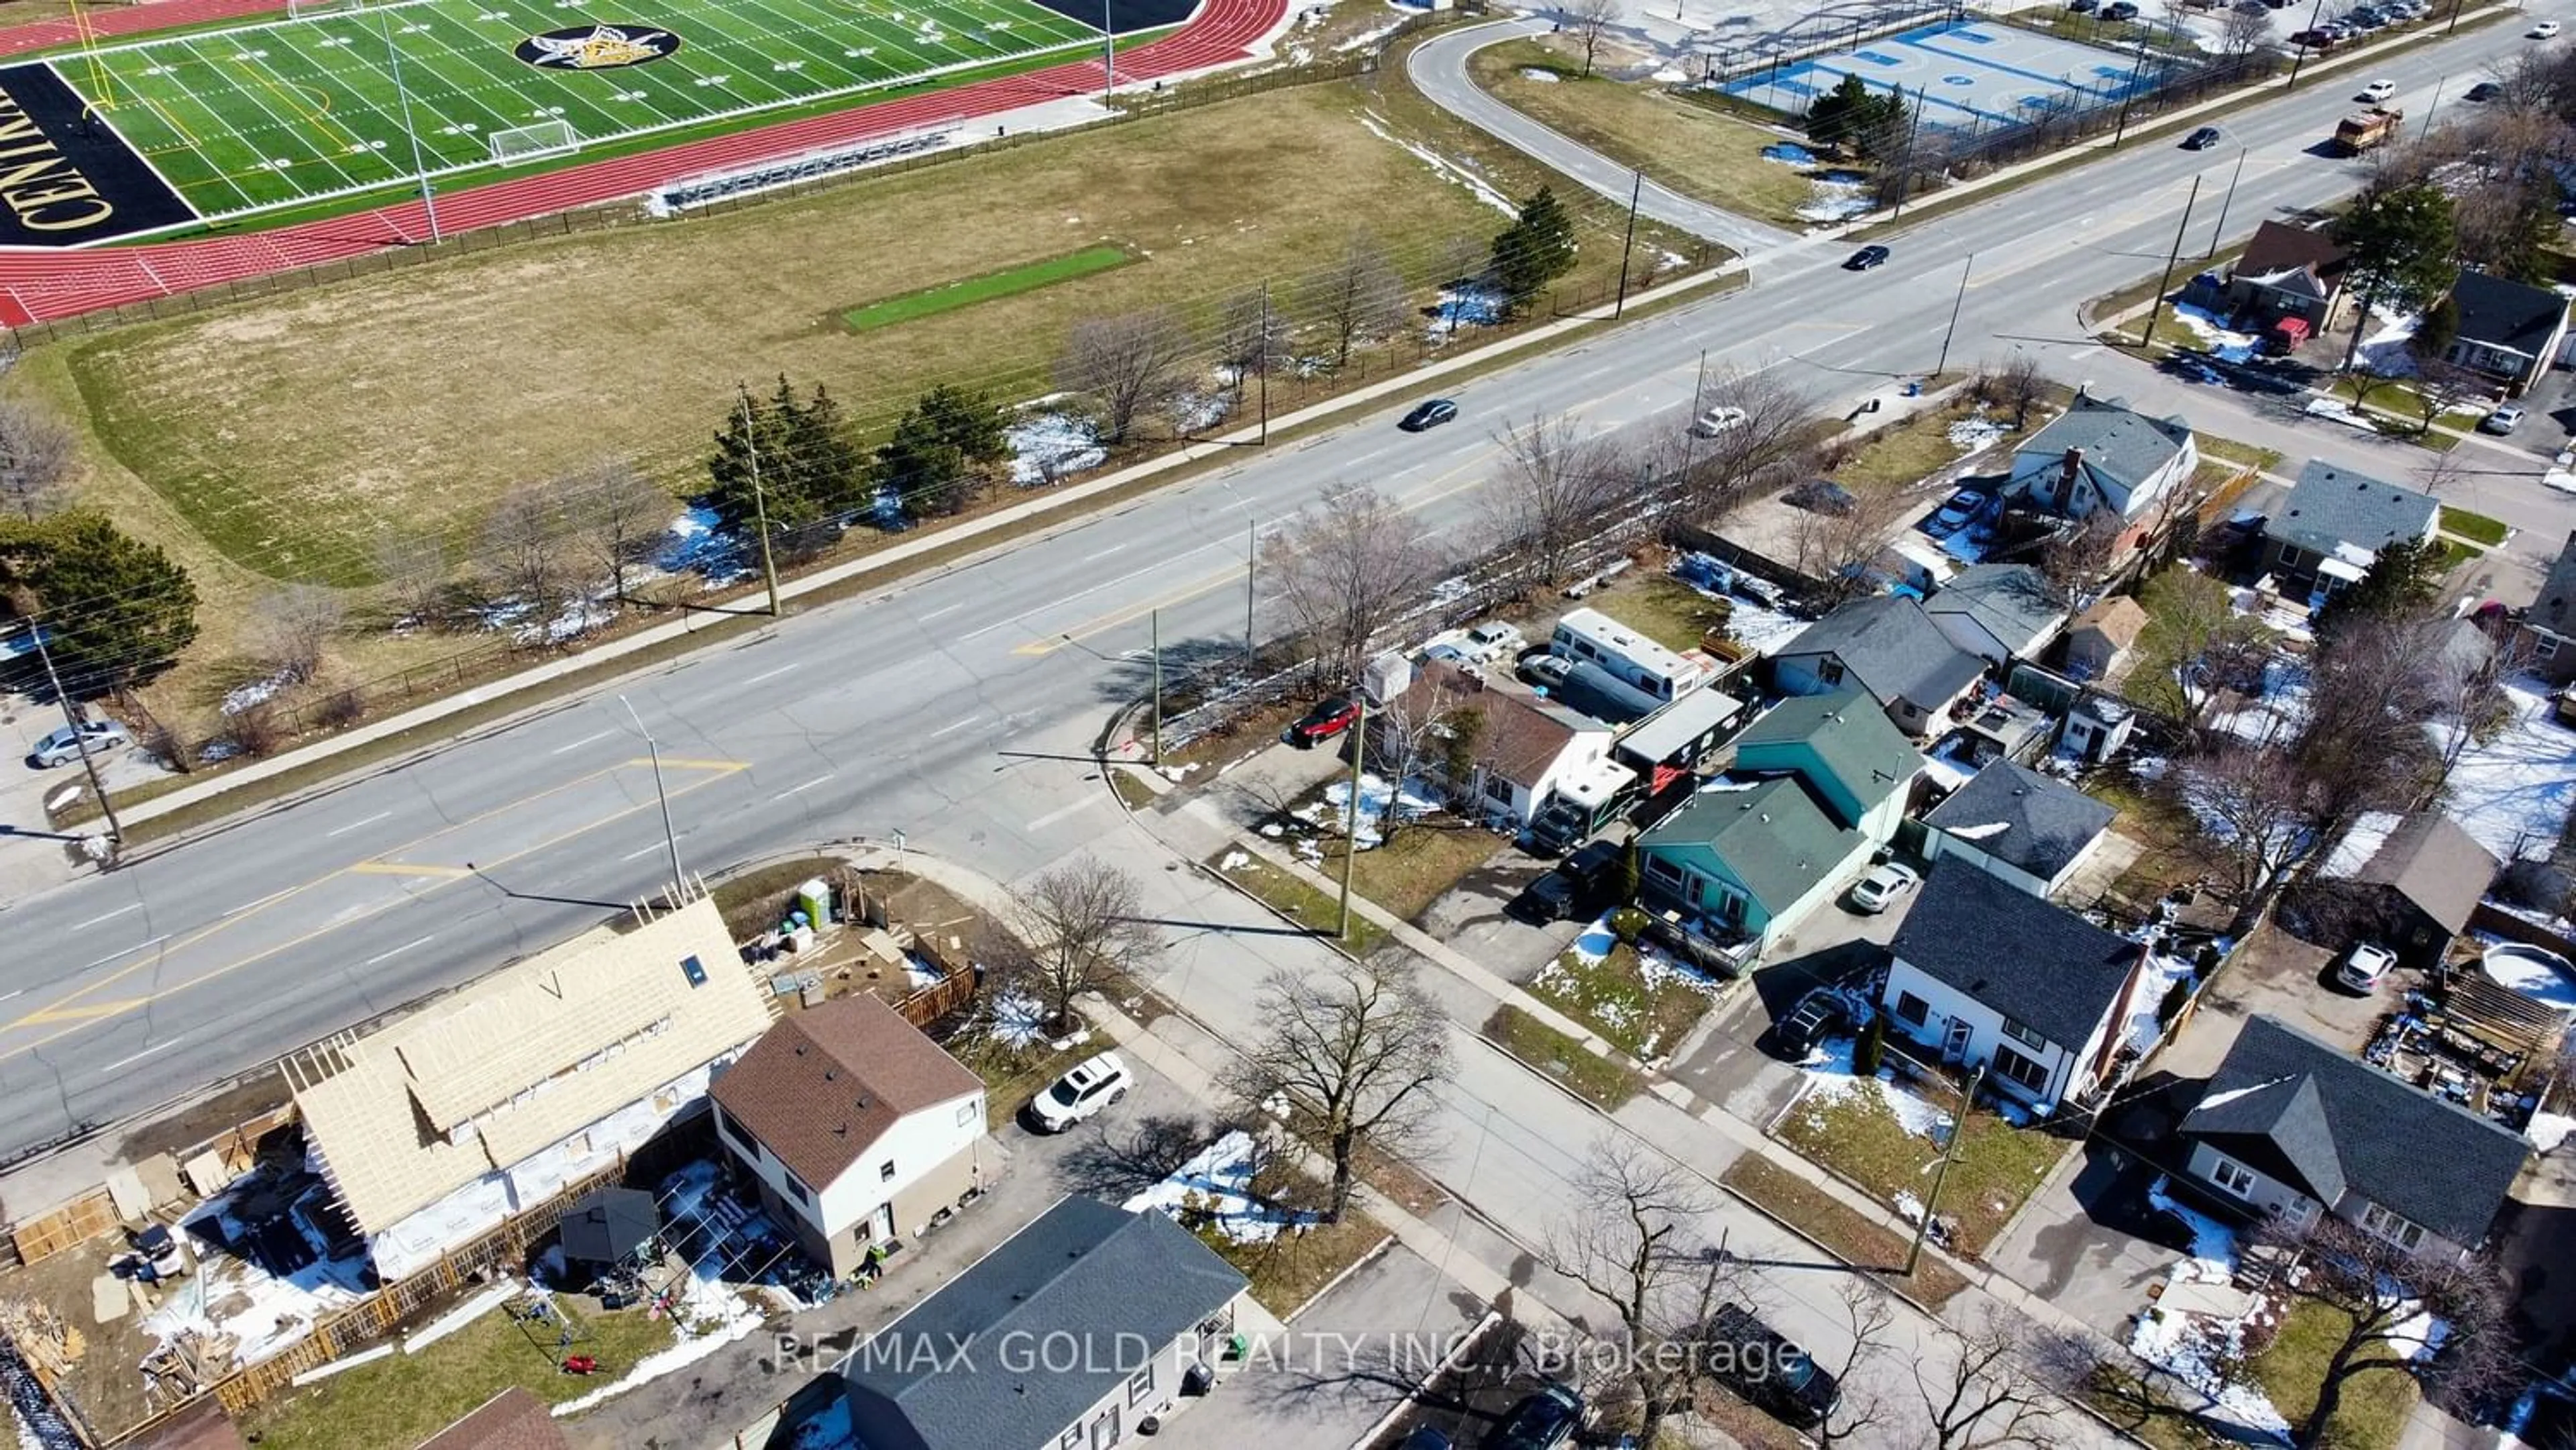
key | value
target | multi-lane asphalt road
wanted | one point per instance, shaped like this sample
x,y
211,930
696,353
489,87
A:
x,y
959,709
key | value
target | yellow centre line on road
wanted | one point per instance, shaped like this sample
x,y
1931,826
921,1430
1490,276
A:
x,y
69,1009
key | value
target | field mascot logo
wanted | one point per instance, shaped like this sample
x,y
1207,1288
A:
x,y
597,47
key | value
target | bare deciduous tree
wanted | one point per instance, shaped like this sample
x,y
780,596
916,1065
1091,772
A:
x,y
1429,730
1078,922
1252,337
1344,569
2376,1291
2075,558
2018,383
2195,647
2258,801
2362,746
1770,443
1350,1057
1836,545
1557,490
1128,366
1358,297
38,458
416,567
1629,1240
2243,30
1868,1313
522,552
290,627
1590,22
2470,702
1996,1392
618,517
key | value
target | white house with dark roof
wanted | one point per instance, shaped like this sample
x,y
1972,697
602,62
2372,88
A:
x,y
2018,825
854,1127
2290,271
1065,1337
2328,530
1885,645
1984,973
2102,455
1998,612
2549,625
2508,330
2296,1127
1524,746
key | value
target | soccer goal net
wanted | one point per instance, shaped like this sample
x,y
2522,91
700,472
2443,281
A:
x,y
522,143
303,8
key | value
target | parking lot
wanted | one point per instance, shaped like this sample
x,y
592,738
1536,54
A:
x,y
34,856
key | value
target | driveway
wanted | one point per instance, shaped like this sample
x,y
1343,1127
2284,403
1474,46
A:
x,y
1733,1062
2280,976
1346,1363
1471,917
2088,1243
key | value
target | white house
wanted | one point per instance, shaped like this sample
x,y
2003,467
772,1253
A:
x,y
1076,1329
1522,747
2104,455
1987,974
2018,825
2295,1127
855,1128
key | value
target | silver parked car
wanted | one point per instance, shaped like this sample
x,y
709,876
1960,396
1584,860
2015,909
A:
x,y
63,746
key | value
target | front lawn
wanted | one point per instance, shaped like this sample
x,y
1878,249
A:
x,y
1415,868
2375,1405
404,1399
1291,897
1903,454
1292,1268
1013,1074
2475,527
1850,1236
1857,1132
1646,1012
1590,1076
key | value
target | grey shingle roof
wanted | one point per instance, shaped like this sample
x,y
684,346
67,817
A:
x,y
2505,312
2121,445
2304,1111
954,1373
1854,739
2331,506
2436,865
1776,837
2037,963
2013,602
2555,609
1890,648
2045,823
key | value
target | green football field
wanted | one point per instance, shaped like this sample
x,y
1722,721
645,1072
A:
x,y
297,109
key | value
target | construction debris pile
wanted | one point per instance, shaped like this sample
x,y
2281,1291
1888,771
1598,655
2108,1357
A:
x,y
186,1363
50,1346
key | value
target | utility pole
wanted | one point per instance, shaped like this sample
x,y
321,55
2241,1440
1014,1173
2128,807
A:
x,y
1940,1175
1157,618
2435,104
393,61
759,499
1351,822
80,741
2129,93
1265,362
2157,303
1636,193
1955,304
670,838
1108,53
1251,570
2219,232
2299,57
2455,18
1905,168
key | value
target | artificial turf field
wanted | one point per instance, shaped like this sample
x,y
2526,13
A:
x,y
302,108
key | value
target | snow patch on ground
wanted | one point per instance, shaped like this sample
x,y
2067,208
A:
x,y
1836,196
2223,342
1218,1184
1464,304
1019,1020
231,1295
707,1315
1831,1078
2163,970
1970,434
2549,1130
1446,170
1046,446
2200,1350
1333,812
1541,74
2512,792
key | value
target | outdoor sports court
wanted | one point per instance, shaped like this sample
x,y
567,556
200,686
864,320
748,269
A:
x,y
1969,73
334,102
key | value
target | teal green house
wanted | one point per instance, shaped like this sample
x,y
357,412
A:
x,y
1818,784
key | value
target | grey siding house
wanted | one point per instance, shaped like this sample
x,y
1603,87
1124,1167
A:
x,y
2018,825
2295,1127
2549,626
1887,646
1078,1327
2326,534
2508,330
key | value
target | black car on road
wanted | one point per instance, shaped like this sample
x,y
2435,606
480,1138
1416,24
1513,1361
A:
x,y
1866,258
1429,415
1749,1357
2201,138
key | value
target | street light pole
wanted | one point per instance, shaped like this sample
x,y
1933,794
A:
x,y
1955,304
2220,231
670,837
2156,304
1351,820
80,742
2299,57
393,62
1636,193
1108,53
2432,106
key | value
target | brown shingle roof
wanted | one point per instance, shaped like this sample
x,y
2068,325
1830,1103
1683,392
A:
x,y
2278,247
510,1420
2120,619
1522,736
821,1087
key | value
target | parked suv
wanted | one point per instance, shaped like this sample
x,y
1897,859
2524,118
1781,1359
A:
x,y
1749,1357
1541,1421
1575,888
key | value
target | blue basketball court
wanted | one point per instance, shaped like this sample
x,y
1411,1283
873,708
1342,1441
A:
x,y
1970,74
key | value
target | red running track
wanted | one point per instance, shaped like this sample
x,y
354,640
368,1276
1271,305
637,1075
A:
x,y
38,286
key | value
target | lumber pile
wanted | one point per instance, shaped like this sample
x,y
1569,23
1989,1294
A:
x,y
48,1344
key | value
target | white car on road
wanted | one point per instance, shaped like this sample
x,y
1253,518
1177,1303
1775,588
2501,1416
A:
x,y
2378,90
1716,421
1094,1084
2544,30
